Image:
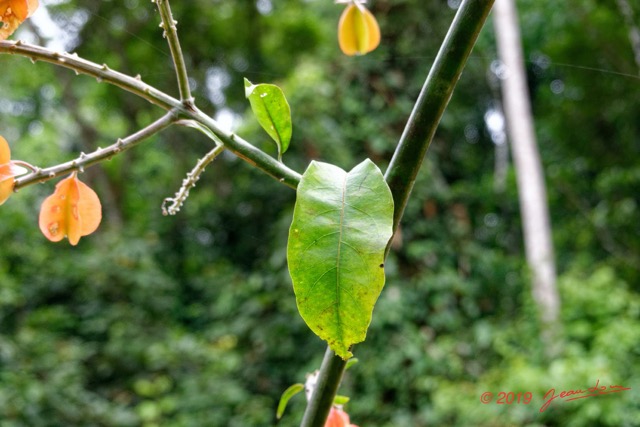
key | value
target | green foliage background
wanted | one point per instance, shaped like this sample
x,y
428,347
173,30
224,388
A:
x,y
191,320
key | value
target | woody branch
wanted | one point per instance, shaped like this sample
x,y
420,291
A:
x,y
135,85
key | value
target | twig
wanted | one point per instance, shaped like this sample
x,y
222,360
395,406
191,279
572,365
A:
x,y
101,154
189,182
102,73
171,34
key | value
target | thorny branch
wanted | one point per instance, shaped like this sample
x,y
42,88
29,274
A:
x,y
189,182
101,154
135,85
171,34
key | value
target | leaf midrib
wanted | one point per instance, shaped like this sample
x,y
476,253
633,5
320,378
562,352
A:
x,y
342,210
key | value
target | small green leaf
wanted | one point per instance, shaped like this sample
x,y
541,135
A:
x,y
341,400
341,225
351,362
288,394
272,110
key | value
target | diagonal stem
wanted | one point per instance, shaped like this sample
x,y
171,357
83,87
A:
x,y
432,101
171,34
100,155
102,73
407,160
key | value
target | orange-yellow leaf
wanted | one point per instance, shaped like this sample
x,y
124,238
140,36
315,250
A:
x,y
13,13
5,152
358,30
8,171
338,418
73,210
6,183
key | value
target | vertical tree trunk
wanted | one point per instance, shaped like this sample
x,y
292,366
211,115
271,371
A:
x,y
634,30
531,187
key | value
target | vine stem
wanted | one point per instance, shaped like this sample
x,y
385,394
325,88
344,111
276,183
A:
x,y
135,85
432,101
171,34
326,387
407,160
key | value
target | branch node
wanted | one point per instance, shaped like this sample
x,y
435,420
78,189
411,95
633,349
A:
x,y
189,103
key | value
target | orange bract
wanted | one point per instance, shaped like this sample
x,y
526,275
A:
x,y
13,13
73,210
338,418
8,171
358,30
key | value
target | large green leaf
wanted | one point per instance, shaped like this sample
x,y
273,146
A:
x,y
272,110
341,225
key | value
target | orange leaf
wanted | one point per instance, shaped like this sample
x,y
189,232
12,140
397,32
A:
x,y
338,418
358,30
13,13
73,210
8,171
6,183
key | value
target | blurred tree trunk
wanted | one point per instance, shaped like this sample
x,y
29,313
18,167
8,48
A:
x,y
634,31
531,187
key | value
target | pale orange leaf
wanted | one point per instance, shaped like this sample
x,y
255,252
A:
x,y
73,210
13,13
